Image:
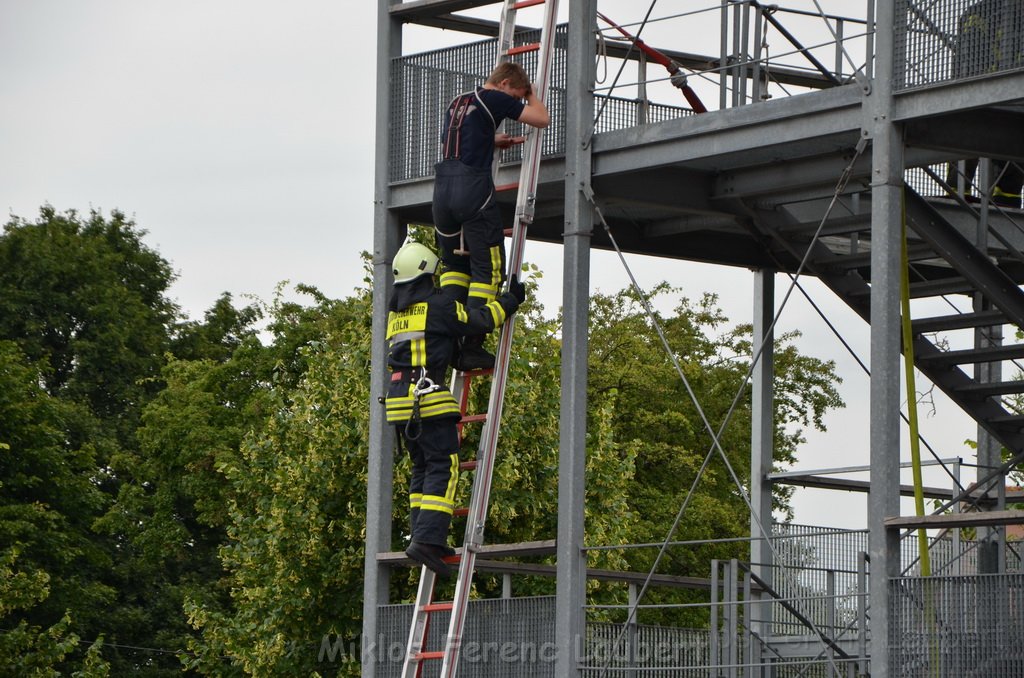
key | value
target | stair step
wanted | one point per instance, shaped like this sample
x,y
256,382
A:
x,y
1009,420
993,389
845,262
929,288
958,321
935,288
988,354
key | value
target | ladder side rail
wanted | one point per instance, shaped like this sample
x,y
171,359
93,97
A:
x,y
506,40
529,170
412,666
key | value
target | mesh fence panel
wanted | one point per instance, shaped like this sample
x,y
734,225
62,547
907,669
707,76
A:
x,y
422,86
939,40
951,627
504,638
657,650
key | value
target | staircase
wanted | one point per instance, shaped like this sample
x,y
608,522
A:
x,y
943,261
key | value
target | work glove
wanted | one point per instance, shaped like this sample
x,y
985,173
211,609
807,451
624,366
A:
x,y
517,289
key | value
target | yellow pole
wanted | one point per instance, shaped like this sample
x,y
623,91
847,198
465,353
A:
x,y
908,362
915,445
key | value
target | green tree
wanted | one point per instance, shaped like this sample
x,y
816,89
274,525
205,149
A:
x,y
655,417
86,298
297,503
83,300
49,568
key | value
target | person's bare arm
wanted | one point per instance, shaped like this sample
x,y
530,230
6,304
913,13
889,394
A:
x,y
536,113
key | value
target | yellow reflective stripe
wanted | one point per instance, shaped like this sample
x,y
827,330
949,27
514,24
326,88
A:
x,y
496,266
483,291
497,312
438,410
418,351
1000,192
454,278
415,500
453,479
460,312
399,408
432,502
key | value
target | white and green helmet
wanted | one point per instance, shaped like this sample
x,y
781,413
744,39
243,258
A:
x,y
412,261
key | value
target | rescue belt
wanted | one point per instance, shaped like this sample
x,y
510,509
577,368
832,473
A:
x,y
424,386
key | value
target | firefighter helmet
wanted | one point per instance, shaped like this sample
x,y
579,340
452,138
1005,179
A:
x,y
412,261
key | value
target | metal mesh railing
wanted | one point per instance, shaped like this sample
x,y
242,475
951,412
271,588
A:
x,y
818,574
654,650
954,39
951,627
422,86
503,638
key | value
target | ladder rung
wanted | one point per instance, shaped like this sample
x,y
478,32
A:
x,y
429,655
473,418
522,49
452,560
464,511
523,4
506,187
508,232
438,607
467,465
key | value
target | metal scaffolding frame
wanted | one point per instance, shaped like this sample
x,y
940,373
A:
x,y
748,185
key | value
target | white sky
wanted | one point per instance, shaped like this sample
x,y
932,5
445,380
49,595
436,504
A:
x,y
239,134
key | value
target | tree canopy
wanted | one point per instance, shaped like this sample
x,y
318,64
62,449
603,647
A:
x,y
180,493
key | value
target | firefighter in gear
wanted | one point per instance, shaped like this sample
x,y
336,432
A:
x,y
470,235
423,326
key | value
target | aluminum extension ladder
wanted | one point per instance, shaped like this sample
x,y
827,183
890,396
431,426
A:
x,y
415,654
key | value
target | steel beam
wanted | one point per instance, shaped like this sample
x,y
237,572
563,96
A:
x,y
886,218
748,135
386,236
991,90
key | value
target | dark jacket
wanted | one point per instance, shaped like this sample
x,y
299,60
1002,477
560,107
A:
x,y
423,324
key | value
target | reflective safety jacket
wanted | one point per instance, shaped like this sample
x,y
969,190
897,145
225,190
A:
x,y
423,324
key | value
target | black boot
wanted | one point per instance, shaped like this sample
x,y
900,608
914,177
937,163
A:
x,y
472,356
431,555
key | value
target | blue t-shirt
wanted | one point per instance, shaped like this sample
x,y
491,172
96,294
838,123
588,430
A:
x,y
470,124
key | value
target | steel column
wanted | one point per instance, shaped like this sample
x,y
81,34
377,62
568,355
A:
x,y
387,233
886,220
762,417
571,566
991,543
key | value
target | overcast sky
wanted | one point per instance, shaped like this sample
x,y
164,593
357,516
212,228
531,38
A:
x,y
239,134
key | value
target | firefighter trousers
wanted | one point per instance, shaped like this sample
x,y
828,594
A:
x,y
467,217
435,475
